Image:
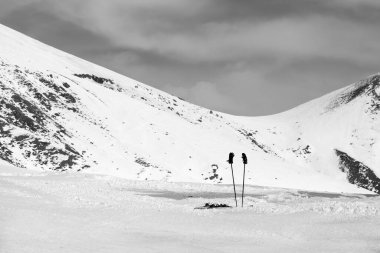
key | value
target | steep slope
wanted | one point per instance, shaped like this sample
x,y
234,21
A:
x,y
59,112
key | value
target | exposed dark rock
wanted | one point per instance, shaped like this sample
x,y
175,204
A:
x,y
144,163
67,164
97,79
52,85
37,114
6,154
18,117
306,150
367,86
303,152
20,138
45,143
51,96
69,98
3,132
213,174
72,150
43,100
358,173
250,137
40,145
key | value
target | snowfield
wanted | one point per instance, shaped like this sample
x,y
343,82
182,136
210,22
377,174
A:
x,y
93,161
51,212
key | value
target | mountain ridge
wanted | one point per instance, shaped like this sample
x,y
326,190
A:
x,y
59,112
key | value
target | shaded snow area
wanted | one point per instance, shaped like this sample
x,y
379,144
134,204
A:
x,y
49,212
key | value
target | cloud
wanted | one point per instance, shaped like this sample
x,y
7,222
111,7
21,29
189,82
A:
x,y
250,56
7,6
171,28
356,3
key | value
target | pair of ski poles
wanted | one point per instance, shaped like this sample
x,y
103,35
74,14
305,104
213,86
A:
x,y
231,161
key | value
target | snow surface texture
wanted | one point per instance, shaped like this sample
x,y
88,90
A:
x,y
73,212
59,112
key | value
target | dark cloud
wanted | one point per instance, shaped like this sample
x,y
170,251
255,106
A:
x,y
362,11
51,29
248,57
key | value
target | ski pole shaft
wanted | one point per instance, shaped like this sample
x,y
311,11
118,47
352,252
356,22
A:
x,y
233,181
242,195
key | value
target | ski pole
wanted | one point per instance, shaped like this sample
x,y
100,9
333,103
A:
x,y
231,161
245,161
233,181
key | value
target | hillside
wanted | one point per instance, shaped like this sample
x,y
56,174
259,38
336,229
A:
x,y
61,113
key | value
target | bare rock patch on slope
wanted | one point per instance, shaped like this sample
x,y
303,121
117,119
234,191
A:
x,y
358,173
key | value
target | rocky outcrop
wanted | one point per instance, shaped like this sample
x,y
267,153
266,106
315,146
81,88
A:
x,y
358,173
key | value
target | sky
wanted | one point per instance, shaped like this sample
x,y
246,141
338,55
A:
x,y
245,57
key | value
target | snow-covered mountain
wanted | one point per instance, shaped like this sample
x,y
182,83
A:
x,y
59,112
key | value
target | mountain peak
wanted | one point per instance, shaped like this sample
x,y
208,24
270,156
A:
x,y
369,86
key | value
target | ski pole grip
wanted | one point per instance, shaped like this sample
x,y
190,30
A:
x,y
245,160
231,158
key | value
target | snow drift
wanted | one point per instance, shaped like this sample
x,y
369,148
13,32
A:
x,y
59,112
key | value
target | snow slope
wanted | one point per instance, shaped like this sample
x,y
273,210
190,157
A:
x,y
59,112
